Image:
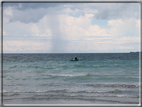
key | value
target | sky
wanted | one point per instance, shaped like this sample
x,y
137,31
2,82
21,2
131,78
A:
x,y
71,27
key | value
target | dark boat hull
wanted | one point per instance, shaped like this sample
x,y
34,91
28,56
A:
x,y
74,60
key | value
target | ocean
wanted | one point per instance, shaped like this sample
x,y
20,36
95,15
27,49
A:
x,y
97,78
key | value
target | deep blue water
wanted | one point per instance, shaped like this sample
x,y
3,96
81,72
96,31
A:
x,y
111,78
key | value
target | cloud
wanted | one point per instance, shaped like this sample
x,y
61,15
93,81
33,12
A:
x,y
27,16
4,33
27,6
36,31
25,12
65,33
80,28
125,27
69,28
26,46
117,10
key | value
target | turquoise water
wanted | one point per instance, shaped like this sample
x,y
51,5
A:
x,y
111,78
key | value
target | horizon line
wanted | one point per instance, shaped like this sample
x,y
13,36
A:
x,y
67,52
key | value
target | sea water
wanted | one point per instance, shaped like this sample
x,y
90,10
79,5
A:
x,y
97,78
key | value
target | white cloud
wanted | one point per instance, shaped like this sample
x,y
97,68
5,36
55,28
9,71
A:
x,y
25,46
67,10
42,28
124,27
79,28
129,39
95,30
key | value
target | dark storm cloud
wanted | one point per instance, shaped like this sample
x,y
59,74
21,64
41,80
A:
x,y
5,5
33,12
27,16
30,12
117,10
109,10
25,6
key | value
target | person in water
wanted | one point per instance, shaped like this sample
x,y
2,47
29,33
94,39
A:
x,y
75,58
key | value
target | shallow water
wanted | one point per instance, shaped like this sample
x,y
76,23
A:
x,y
52,78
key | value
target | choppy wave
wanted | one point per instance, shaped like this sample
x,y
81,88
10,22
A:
x,y
61,95
69,75
67,93
115,85
9,94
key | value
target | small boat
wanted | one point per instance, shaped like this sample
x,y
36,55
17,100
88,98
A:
x,y
74,60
